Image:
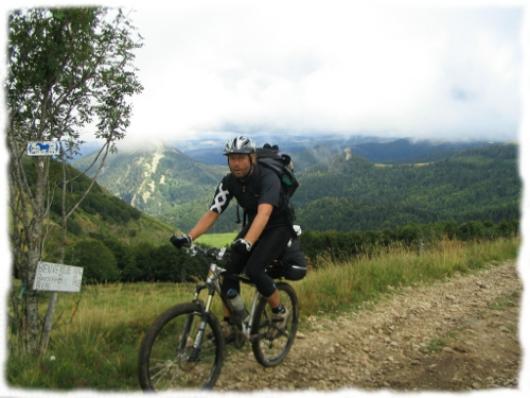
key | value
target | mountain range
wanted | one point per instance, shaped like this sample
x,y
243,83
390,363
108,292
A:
x,y
374,149
346,183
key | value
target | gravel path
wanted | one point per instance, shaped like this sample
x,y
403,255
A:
x,y
458,334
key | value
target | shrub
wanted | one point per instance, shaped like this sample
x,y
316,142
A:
x,y
165,263
123,253
97,260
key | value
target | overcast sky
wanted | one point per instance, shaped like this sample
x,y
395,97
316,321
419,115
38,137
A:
x,y
421,72
327,66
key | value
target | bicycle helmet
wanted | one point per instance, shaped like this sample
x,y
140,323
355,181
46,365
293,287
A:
x,y
240,144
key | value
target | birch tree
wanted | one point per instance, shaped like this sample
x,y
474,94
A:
x,y
69,70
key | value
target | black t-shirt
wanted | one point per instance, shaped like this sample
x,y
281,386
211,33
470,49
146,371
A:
x,y
261,186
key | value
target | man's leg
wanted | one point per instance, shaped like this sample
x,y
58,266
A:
x,y
274,299
230,281
233,268
270,247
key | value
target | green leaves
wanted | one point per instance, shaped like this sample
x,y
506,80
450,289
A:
x,y
97,259
69,67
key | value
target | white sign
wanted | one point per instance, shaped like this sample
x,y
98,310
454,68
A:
x,y
58,277
43,148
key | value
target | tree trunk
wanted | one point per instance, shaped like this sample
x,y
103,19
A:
x,y
52,303
31,313
48,323
31,329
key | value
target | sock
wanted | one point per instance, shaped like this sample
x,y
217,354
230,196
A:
x,y
279,310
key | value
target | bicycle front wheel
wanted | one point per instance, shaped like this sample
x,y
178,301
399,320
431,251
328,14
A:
x,y
182,349
271,345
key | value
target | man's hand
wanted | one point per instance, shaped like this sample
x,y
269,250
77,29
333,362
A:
x,y
241,246
259,223
181,240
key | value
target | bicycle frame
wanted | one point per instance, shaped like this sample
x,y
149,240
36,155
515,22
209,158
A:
x,y
213,286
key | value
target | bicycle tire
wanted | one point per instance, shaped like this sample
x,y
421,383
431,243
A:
x,y
163,365
268,345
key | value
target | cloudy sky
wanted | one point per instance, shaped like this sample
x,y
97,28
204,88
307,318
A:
x,y
328,67
437,71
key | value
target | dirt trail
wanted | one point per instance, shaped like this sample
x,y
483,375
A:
x,y
458,334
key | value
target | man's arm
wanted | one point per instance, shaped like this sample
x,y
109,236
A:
x,y
204,224
259,222
219,204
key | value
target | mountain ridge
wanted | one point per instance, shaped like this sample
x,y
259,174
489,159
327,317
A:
x,y
170,185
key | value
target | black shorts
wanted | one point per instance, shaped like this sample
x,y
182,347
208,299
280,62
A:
x,y
270,246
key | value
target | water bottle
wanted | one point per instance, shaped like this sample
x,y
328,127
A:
x,y
237,305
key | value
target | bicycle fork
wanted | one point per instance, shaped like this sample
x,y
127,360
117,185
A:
x,y
194,355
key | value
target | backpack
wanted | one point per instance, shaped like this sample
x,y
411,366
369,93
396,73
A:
x,y
270,157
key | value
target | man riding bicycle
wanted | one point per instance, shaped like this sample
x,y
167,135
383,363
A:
x,y
263,239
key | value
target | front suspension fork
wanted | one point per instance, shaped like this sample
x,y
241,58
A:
x,y
202,327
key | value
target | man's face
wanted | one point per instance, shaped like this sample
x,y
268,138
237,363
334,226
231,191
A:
x,y
239,164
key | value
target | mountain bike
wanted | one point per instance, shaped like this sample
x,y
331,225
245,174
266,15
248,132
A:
x,y
185,348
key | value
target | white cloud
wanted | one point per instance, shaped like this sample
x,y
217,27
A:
x,y
329,67
442,71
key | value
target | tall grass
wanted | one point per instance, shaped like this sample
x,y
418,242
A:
x,y
336,286
98,331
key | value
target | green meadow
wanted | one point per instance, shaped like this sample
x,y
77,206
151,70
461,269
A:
x,y
98,331
217,240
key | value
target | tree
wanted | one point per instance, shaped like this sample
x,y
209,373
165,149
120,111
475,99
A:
x,y
123,253
68,69
143,264
97,259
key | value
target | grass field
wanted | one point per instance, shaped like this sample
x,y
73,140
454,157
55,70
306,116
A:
x,y
98,332
217,240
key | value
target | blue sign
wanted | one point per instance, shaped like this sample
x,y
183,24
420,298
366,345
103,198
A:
x,y
43,148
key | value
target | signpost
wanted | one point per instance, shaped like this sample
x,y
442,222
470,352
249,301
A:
x,y
58,277
43,148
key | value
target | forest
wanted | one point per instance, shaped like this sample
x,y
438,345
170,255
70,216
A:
x,y
347,209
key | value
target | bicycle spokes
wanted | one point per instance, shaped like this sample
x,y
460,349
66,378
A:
x,y
270,343
180,355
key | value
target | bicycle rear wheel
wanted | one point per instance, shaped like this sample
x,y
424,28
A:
x,y
269,344
167,357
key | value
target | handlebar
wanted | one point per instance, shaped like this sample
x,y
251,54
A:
x,y
220,254
216,254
